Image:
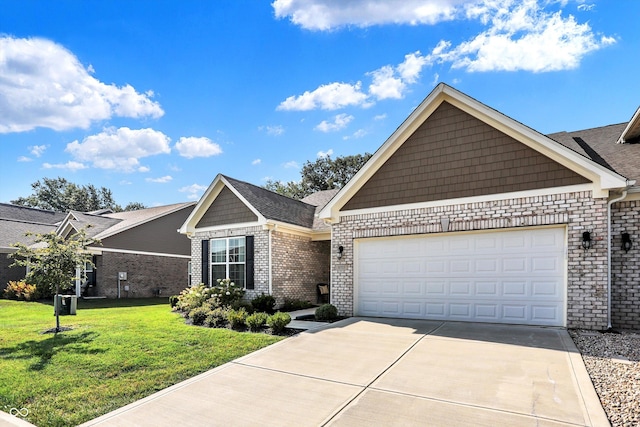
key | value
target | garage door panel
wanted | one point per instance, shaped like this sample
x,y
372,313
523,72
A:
x,y
512,276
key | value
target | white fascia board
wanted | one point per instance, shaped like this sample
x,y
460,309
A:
x,y
476,199
289,228
228,227
126,251
634,123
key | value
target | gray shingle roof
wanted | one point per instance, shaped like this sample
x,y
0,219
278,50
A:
x,y
13,231
275,206
34,215
599,144
96,223
130,219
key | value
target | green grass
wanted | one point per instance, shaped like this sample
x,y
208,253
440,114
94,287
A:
x,y
119,351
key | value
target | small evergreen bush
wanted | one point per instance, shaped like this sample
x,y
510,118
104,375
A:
x,y
198,315
173,300
278,321
326,312
264,303
256,321
237,318
217,318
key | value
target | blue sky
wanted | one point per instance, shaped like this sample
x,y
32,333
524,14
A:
x,y
152,99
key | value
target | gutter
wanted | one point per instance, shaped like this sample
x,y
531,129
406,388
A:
x,y
609,204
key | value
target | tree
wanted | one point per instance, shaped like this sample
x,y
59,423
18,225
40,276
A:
x,y
51,260
58,194
323,174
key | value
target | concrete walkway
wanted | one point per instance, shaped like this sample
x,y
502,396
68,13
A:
x,y
364,371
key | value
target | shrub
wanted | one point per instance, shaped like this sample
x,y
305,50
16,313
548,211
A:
x,y
199,314
264,303
326,312
226,293
217,318
292,304
256,321
193,297
237,318
277,322
173,301
21,291
242,304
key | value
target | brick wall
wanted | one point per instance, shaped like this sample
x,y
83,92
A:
x,y
7,273
625,266
145,274
299,265
579,211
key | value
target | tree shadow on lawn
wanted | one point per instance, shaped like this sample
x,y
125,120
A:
x,y
45,349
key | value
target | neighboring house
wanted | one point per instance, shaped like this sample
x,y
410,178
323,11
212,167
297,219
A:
x,y
463,214
143,244
15,222
262,241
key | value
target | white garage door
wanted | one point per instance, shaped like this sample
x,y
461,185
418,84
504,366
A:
x,y
503,276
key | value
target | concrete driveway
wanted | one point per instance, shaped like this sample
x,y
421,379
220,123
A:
x,y
364,371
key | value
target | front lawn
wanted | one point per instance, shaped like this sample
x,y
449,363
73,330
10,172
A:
x,y
118,351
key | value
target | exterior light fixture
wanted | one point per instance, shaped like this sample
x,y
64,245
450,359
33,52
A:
x,y
626,242
586,240
340,250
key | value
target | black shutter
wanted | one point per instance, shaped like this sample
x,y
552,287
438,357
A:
x,y
205,262
249,284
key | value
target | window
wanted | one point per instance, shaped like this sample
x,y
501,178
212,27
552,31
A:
x,y
228,260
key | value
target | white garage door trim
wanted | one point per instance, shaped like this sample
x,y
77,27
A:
x,y
514,276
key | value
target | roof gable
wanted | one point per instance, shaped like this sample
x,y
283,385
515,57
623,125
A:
x,y
455,155
227,208
602,178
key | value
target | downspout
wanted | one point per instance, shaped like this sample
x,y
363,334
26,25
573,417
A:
x,y
609,204
270,262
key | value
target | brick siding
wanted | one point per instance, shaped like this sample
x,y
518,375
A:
x,y
297,262
625,266
145,275
579,211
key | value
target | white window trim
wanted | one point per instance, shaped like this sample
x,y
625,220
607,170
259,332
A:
x,y
227,263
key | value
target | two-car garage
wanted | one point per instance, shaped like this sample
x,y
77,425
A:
x,y
505,276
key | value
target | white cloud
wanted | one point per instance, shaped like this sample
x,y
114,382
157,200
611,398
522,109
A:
x,y
322,154
586,7
37,150
331,14
45,85
120,149
193,191
339,122
357,134
191,147
24,159
327,97
522,36
256,162
125,182
272,130
70,165
292,165
160,180
144,169
380,116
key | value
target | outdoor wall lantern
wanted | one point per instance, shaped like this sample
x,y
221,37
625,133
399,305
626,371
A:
x,y
340,250
586,240
626,242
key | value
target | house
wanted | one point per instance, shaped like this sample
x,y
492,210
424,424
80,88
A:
x,y
15,222
139,255
263,241
463,214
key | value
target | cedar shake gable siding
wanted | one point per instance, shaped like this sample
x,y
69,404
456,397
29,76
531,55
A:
x,y
225,210
454,155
